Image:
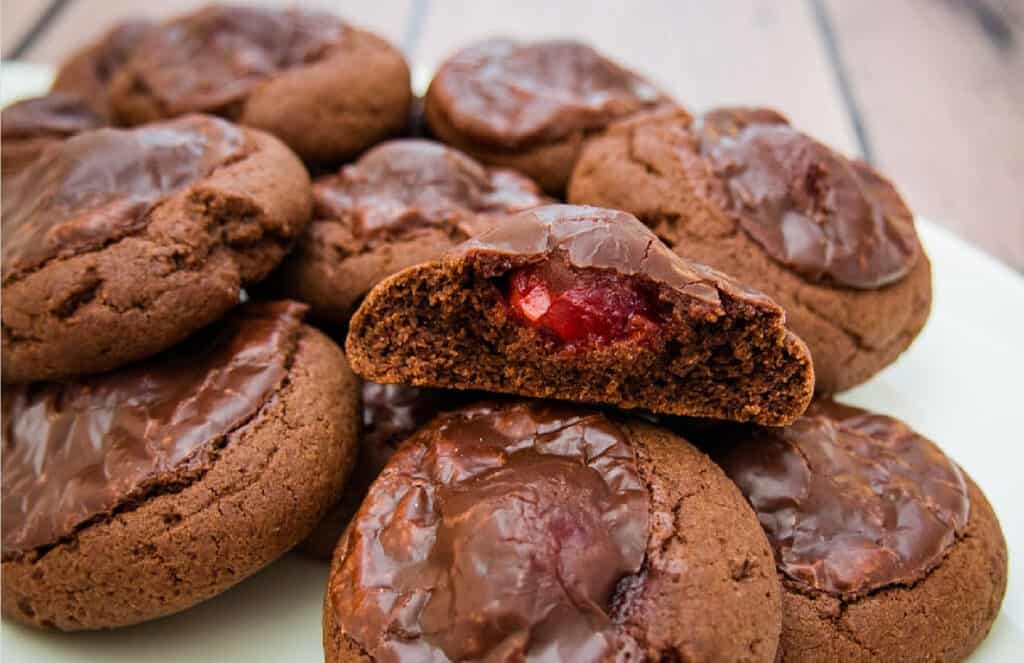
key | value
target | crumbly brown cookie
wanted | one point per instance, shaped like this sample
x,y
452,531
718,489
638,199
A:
x,y
214,459
528,530
530,106
88,71
887,551
584,304
826,237
325,88
30,126
119,243
402,203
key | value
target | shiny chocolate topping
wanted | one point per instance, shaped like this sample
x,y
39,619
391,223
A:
x,y
211,60
498,533
402,185
511,94
56,115
76,451
851,501
99,186
829,218
605,239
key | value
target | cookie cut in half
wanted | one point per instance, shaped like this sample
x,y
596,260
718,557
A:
x,y
529,531
584,304
887,551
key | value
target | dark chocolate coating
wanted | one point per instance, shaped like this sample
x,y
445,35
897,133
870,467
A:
x,y
98,186
851,501
209,61
404,185
496,533
512,95
829,218
55,115
74,451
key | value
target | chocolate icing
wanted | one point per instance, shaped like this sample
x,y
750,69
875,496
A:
x,y
511,94
75,451
99,186
211,60
117,47
496,533
851,501
598,238
56,115
404,185
829,218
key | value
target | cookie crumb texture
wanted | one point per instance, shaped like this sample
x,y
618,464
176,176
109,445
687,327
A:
x,y
174,526
602,313
561,533
327,89
117,244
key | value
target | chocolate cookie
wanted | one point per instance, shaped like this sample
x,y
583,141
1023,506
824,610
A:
x,y
391,413
404,202
88,71
139,493
533,531
119,243
325,88
887,551
30,126
584,304
529,106
826,237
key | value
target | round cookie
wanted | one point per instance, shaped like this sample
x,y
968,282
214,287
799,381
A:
x,y
141,492
325,88
30,126
402,203
88,71
538,531
117,244
529,106
886,549
826,237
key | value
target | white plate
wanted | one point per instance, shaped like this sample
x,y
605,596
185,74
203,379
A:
x,y
960,384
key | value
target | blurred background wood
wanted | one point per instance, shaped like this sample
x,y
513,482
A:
x,y
931,91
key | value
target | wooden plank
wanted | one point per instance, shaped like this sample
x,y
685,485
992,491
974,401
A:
x,y
84,20
16,19
704,53
941,90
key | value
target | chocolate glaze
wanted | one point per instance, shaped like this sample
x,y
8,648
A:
x,y
99,186
829,218
598,238
512,95
117,47
56,115
404,185
496,533
851,501
210,60
75,451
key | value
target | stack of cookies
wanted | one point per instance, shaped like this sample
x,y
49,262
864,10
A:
x,y
583,411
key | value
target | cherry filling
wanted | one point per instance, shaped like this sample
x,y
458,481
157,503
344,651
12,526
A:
x,y
581,308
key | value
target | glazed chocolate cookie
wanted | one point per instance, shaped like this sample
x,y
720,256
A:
x,y
826,237
584,304
533,531
886,549
117,244
529,106
87,73
391,413
30,126
139,493
325,88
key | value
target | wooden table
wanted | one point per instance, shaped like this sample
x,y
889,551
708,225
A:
x,y
930,91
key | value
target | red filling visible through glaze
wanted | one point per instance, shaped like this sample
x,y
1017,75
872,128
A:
x,y
581,308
